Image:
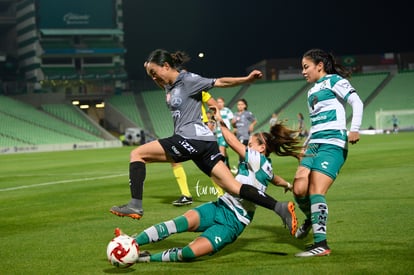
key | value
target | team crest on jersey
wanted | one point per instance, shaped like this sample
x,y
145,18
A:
x,y
313,101
176,101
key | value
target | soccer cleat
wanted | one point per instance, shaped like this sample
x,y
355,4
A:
x,y
126,211
144,257
183,200
315,250
304,229
288,216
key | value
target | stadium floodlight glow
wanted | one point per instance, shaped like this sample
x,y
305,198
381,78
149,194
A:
x,y
84,106
100,105
75,102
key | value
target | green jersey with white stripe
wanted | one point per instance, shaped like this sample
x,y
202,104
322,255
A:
x,y
326,103
257,171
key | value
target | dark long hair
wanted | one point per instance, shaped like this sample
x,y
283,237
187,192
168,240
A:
x,y
329,63
175,60
280,140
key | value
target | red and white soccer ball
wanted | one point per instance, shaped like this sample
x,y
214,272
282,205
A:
x,y
122,251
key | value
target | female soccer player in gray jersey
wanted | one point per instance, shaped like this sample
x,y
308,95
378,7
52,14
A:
x,y
222,222
192,139
243,123
327,143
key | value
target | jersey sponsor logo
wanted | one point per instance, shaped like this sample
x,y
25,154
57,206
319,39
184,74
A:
x,y
318,118
325,164
217,240
175,150
322,218
188,146
213,157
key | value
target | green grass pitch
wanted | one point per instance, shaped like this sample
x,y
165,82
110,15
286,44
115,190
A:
x,y
55,217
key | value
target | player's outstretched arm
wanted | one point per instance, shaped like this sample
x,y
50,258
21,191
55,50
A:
x,y
225,82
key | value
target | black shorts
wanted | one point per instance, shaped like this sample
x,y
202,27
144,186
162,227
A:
x,y
205,154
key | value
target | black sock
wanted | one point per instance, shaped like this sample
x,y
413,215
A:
x,y
252,194
322,243
137,174
226,161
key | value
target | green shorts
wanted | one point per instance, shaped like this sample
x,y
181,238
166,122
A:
x,y
219,224
222,142
325,158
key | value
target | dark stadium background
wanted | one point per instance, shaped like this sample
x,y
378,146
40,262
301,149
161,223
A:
x,y
235,34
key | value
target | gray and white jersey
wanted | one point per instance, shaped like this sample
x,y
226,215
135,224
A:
x,y
184,99
243,121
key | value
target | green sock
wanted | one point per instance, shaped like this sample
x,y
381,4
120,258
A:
x,y
174,255
181,224
162,230
142,238
304,205
169,255
319,209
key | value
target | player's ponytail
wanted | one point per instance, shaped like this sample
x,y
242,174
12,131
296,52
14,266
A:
x,y
284,141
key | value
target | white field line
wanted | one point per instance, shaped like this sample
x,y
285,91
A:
x,y
59,182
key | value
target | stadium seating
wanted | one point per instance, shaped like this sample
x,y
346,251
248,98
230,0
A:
x,y
126,104
265,98
25,122
158,112
396,95
366,85
22,124
71,115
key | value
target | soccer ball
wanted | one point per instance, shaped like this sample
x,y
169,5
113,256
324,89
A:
x,y
122,251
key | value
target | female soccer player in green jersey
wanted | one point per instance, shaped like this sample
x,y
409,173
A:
x,y
327,143
222,222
